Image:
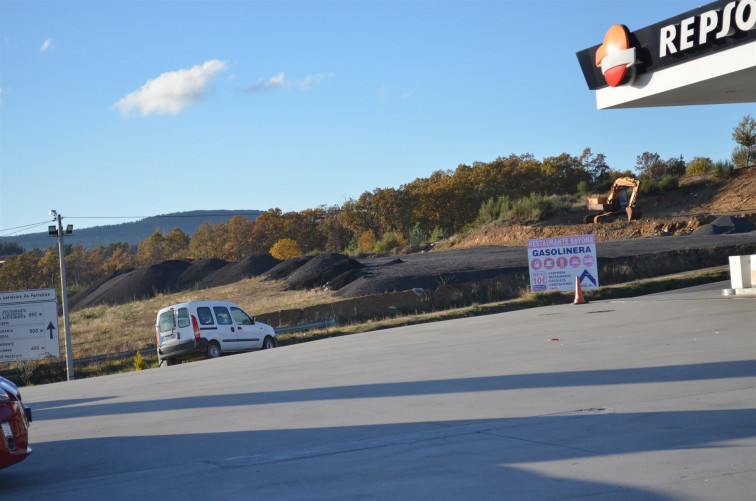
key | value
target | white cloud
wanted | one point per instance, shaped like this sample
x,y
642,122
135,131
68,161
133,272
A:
x,y
279,81
47,45
172,91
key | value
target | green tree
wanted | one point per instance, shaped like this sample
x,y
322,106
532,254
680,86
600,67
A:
x,y
745,135
699,165
10,248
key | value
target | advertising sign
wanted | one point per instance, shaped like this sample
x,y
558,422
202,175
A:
x,y
28,325
555,262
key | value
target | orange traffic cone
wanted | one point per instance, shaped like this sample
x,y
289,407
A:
x,y
578,292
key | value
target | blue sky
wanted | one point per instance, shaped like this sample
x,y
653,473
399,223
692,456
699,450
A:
x,y
131,109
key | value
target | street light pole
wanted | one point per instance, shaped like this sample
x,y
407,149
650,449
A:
x,y
64,298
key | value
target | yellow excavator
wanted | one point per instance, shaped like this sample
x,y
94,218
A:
x,y
616,202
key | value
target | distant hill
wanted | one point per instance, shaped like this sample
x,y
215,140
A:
x,y
131,233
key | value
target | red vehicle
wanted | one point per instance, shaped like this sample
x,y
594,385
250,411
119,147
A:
x,y
14,421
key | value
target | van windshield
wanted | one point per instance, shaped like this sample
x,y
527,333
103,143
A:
x,y
165,321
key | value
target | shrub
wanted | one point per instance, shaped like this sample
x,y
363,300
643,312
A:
x,y
723,169
740,156
699,165
533,208
366,241
649,185
390,240
583,188
139,362
417,236
669,183
285,248
437,234
493,210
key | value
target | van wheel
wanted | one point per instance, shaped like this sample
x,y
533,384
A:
x,y
213,350
268,343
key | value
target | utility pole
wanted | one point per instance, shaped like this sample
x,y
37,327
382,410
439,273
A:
x,y
58,231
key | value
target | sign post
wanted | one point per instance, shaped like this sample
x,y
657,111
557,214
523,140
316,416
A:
x,y
555,262
28,325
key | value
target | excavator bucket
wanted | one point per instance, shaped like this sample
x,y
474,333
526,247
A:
x,y
633,213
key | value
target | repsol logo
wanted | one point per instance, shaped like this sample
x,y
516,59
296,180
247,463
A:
x,y
712,25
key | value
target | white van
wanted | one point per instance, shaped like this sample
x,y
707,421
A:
x,y
208,328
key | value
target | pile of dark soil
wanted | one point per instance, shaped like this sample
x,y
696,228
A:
x,y
76,299
251,266
344,279
169,276
726,224
137,284
197,271
286,268
321,269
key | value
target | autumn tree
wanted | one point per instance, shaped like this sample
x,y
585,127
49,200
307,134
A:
x,y
285,248
238,238
21,272
207,241
158,248
49,269
561,174
335,234
366,241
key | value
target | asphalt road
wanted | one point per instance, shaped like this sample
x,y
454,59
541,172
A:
x,y
652,398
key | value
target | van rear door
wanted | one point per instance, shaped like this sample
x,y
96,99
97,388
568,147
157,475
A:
x,y
168,338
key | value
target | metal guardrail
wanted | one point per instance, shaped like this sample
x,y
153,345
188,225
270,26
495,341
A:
x,y
323,324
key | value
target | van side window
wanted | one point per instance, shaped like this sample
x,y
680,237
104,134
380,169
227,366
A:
x,y
205,316
165,322
241,317
183,317
221,313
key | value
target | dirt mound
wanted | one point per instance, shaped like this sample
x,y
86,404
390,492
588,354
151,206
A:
x,y
735,195
286,268
726,224
197,271
76,299
142,283
320,270
251,266
169,276
517,235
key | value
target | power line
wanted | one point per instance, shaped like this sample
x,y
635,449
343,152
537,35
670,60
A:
x,y
26,226
45,223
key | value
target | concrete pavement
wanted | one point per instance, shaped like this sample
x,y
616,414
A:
x,y
646,398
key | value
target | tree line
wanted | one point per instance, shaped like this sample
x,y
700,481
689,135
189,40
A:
x,y
422,210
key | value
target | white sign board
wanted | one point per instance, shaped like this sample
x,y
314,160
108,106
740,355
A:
x,y
28,325
555,262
